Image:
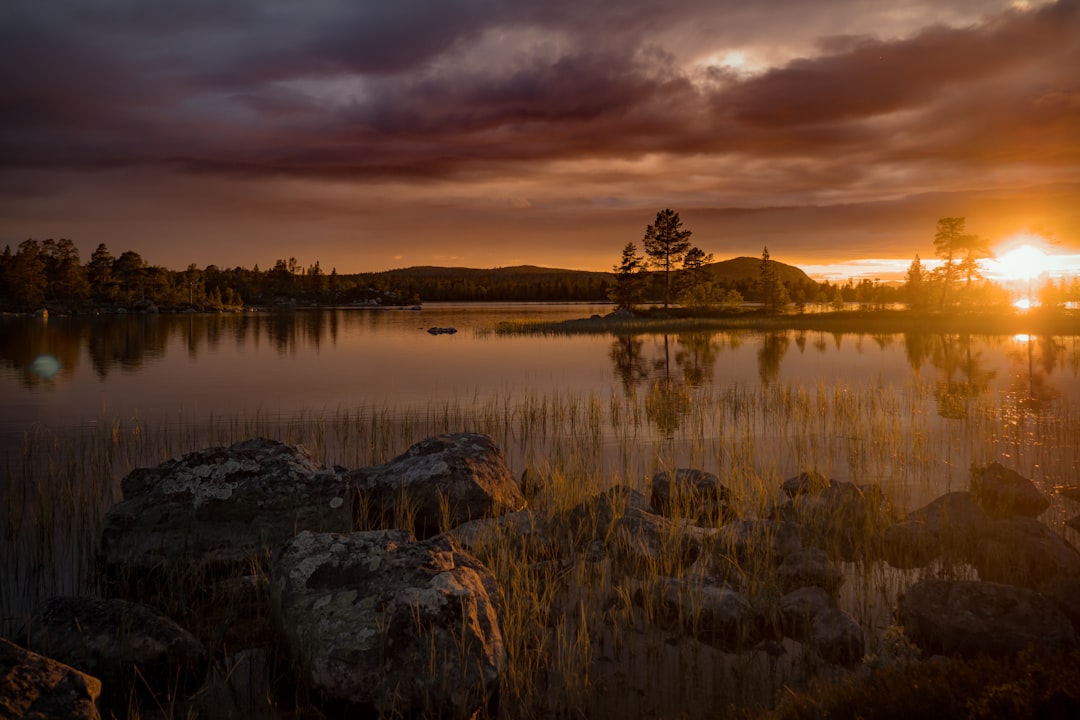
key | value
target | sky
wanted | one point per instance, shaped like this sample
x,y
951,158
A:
x,y
371,134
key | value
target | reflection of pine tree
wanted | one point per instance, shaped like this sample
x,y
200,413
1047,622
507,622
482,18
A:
x,y
964,376
774,346
629,361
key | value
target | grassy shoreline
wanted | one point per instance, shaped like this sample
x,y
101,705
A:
x,y
1001,322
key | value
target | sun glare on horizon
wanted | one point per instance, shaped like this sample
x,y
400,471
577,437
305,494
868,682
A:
x,y
1022,258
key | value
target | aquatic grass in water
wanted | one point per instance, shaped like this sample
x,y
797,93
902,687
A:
x,y
573,629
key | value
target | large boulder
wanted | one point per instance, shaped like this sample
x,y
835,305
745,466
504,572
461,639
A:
x,y
1003,492
971,618
216,513
34,686
382,622
949,525
437,484
690,493
128,646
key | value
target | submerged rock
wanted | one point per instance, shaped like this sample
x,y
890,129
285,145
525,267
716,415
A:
x,y
445,480
395,626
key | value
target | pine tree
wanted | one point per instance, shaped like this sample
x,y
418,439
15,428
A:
x,y
628,287
665,245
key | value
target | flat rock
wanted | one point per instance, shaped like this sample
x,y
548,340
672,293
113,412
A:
x,y
971,618
390,625
35,686
437,484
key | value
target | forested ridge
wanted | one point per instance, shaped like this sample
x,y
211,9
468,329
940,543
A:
x,y
51,275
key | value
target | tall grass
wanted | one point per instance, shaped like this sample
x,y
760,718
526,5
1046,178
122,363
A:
x,y
575,630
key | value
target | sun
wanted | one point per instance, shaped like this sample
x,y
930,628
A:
x,y
1023,259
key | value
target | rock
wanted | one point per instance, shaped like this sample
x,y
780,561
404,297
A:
x,y
690,493
593,518
240,685
809,567
1069,492
1023,551
442,480
970,618
950,525
1074,522
837,637
129,647
758,543
522,532
1003,492
1064,590
394,626
34,686
710,612
211,515
641,541
798,609
841,516
806,482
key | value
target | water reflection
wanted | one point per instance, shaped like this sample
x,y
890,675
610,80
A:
x,y
964,376
369,354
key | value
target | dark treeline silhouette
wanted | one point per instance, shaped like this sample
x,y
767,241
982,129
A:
x,y
50,275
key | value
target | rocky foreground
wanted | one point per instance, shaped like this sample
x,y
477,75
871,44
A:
x,y
231,575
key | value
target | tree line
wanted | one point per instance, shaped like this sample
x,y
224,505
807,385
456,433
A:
x,y
672,268
51,275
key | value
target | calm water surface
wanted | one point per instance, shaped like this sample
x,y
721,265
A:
x,y
69,372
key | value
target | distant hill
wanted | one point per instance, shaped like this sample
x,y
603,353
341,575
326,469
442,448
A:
x,y
529,282
742,269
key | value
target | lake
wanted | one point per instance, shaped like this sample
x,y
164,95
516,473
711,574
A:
x,y
65,373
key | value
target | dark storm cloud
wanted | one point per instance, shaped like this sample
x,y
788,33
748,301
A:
x,y
370,89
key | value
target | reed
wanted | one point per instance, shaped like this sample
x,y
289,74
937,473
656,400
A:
x,y
585,638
